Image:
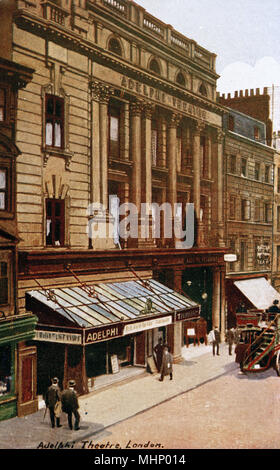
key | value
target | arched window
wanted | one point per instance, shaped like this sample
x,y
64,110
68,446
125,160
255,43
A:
x,y
180,79
202,90
114,46
154,66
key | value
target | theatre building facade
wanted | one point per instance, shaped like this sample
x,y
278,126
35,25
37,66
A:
x,y
121,109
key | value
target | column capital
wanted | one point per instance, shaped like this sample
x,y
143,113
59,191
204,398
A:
x,y
198,127
174,120
101,92
219,136
148,110
136,107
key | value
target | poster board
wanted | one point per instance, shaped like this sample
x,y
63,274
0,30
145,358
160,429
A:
x,y
115,364
152,365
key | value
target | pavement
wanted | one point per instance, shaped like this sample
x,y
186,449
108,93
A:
x,y
105,407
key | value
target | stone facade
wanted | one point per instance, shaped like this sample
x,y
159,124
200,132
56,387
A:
x,y
120,105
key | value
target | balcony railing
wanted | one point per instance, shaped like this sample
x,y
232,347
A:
x,y
181,42
153,26
54,13
118,5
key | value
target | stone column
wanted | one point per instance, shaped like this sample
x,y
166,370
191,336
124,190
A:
x,y
223,302
99,216
197,129
172,168
136,109
216,304
146,236
220,189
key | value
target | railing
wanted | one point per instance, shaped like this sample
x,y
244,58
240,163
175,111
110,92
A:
x,y
54,13
119,5
179,41
201,56
152,25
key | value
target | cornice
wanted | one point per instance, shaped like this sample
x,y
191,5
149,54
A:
x,y
51,31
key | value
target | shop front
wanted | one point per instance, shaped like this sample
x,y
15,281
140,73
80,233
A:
x,y
245,294
18,395
104,329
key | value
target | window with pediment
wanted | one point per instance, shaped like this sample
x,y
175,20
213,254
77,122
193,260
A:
x,y
180,79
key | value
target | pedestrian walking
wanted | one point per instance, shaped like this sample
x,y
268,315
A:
x,y
230,337
70,405
166,365
215,338
158,349
53,402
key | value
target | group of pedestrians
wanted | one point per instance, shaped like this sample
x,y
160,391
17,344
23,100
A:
x,y
66,401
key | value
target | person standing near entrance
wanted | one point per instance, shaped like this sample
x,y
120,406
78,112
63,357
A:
x,y
166,365
215,339
70,405
158,349
52,400
230,336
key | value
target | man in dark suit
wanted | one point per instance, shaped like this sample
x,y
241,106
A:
x,y
166,365
158,349
52,399
70,405
230,337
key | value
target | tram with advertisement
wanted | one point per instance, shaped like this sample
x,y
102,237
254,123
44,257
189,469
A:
x,y
258,346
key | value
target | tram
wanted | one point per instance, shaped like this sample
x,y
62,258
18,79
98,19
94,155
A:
x,y
258,345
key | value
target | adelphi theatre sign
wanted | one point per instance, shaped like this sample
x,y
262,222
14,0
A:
x,y
163,98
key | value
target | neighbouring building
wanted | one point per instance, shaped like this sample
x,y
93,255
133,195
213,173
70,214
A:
x,y
249,186
255,104
18,395
276,224
121,108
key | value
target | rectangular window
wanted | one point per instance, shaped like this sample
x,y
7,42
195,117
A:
x,y
245,209
278,180
114,132
232,207
256,133
267,174
54,121
267,212
243,167
179,149
3,189
278,218
257,210
232,164
2,104
55,221
257,170
4,288
230,123
243,255
5,370
155,144
203,153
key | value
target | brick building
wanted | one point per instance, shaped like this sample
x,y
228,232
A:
x,y
121,107
254,104
249,190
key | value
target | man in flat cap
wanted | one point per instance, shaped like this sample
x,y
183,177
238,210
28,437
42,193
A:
x,y
52,400
70,405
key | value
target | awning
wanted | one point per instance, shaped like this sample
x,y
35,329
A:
x,y
147,303
258,291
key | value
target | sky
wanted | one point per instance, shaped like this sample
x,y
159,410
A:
x,y
244,34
